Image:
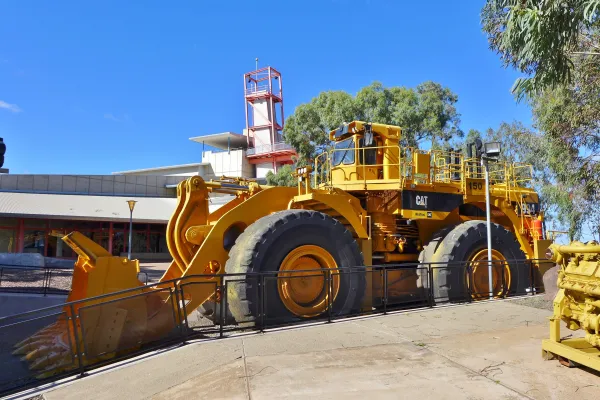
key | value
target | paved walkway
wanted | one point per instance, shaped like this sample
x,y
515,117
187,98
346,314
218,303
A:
x,y
477,351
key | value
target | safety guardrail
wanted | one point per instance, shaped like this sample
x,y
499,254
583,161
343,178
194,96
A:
x,y
215,321
35,280
268,148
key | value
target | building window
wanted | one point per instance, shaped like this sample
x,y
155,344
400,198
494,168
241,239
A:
x,y
118,244
44,236
139,242
57,247
8,235
158,243
35,241
8,240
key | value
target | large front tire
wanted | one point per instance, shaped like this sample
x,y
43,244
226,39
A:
x,y
294,240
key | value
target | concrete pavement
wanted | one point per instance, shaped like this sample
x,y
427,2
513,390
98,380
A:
x,y
476,351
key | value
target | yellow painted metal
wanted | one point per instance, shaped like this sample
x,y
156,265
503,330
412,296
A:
x,y
344,205
150,315
577,303
394,257
366,246
302,283
96,272
422,164
479,280
364,193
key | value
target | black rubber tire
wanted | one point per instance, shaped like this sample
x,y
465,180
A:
x,y
263,246
459,244
426,256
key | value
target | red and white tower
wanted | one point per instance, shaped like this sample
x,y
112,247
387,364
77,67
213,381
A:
x,y
263,95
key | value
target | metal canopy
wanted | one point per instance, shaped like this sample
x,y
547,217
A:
x,y
223,141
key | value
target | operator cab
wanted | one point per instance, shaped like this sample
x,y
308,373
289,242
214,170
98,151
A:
x,y
364,151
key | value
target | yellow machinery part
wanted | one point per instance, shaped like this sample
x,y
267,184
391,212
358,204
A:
x,y
196,242
96,273
577,304
199,243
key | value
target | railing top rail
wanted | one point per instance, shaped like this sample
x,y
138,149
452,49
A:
x,y
445,165
181,330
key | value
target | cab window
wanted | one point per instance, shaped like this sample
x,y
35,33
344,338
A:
x,y
370,153
343,152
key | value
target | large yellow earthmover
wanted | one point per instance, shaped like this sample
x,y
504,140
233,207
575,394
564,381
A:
x,y
368,201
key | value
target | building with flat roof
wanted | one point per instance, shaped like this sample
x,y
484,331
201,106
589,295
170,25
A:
x,y
37,210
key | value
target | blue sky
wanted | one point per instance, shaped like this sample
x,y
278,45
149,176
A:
x,y
97,87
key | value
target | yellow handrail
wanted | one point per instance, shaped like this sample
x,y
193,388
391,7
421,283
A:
x,y
445,167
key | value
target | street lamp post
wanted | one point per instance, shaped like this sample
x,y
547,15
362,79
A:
x,y
131,207
491,153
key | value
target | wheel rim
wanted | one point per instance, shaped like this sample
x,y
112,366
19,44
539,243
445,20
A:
x,y
478,280
302,280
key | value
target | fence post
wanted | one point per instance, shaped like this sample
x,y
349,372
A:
x,y
430,292
222,307
385,290
261,311
469,269
46,280
328,282
73,319
531,277
175,307
177,310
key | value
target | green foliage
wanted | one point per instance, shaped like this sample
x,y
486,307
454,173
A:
x,y
426,112
565,205
541,38
569,116
557,43
283,177
471,136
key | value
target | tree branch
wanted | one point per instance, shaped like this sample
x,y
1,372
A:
x,y
585,53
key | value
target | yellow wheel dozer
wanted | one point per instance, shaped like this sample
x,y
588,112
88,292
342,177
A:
x,y
286,253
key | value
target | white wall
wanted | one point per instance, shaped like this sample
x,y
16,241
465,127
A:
x,y
175,171
263,168
233,163
262,116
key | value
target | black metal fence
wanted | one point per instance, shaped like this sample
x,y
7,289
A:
x,y
84,344
38,280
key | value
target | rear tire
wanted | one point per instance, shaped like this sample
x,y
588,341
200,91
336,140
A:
x,y
460,244
264,245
